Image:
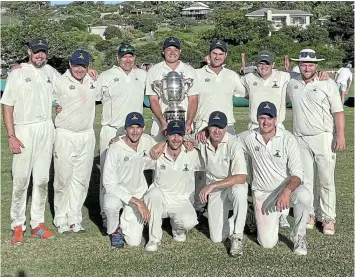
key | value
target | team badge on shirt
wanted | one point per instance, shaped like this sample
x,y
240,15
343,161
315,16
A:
x,y
116,79
186,168
49,80
207,80
28,79
275,85
72,87
92,86
162,167
255,83
225,159
295,87
314,89
145,154
257,148
277,154
126,159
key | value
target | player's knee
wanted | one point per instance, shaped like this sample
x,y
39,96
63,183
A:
x,y
266,242
111,206
187,223
154,194
303,195
240,191
133,241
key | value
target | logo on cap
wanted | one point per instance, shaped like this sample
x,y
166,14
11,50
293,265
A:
x,y
134,117
171,40
218,43
40,42
217,116
81,56
267,107
176,125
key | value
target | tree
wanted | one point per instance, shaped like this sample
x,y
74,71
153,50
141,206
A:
x,y
76,21
112,32
144,22
168,10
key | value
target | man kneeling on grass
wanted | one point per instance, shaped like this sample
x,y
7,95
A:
x,y
125,184
170,194
277,179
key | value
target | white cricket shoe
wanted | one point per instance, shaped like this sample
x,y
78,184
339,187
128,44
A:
x,y
152,246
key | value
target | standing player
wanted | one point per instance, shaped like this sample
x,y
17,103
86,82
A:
x,y
74,144
27,112
121,90
171,192
125,183
277,176
171,53
343,78
315,107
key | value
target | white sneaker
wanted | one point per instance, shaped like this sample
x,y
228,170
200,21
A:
x,y
181,237
77,228
152,246
300,245
283,222
63,229
236,246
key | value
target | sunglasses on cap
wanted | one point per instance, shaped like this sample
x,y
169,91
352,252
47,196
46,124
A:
x,y
126,49
312,55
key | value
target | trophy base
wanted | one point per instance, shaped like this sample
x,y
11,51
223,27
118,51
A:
x,y
175,114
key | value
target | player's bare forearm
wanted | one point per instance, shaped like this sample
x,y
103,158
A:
x,y
192,108
230,181
8,114
156,109
293,183
340,123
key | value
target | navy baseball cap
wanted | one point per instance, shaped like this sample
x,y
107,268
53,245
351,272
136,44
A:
x,y
218,119
265,56
267,108
124,49
171,42
218,44
134,119
80,57
37,45
175,127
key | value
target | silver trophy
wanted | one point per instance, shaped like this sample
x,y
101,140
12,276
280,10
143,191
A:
x,y
172,89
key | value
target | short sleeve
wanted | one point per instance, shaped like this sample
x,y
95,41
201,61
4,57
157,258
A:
x,y
194,88
151,77
240,89
238,164
334,97
10,94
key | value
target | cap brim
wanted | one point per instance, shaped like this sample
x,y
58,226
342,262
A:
x,y
181,133
125,53
263,60
39,48
218,47
176,46
307,60
269,114
139,124
218,124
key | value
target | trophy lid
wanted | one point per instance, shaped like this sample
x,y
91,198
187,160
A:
x,y
174,74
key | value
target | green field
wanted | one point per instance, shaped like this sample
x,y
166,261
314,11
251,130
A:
x,y
90,254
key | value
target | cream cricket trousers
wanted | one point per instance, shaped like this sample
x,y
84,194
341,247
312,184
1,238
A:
x,y
73,157
220,202
200,177
181,213
317,156
35,158
268,223
130,221
106,134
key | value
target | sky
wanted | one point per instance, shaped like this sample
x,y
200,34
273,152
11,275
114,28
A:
x,y
67,2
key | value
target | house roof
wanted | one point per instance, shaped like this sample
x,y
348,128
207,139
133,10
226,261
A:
x,y
262,12
197,6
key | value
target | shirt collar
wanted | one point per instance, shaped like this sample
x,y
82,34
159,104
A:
x,y
165,65
208,69
167,155
223,141
72,79
259,137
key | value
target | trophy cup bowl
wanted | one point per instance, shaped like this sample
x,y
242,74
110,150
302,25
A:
x,y
172,90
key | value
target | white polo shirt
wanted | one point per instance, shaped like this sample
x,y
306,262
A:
x,y
120,94
272,162
77,101
176,178
313,106
158,72
344,74
30,91
216,93
273,89
123,171
226,160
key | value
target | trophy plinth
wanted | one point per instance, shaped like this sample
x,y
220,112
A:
x,y
172,90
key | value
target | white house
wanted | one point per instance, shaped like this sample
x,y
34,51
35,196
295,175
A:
x,y
280,18
100,30
197,10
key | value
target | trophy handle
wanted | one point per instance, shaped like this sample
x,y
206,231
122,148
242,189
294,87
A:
x,y
188,84
157,86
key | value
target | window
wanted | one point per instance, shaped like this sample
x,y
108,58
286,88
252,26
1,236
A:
x,y
298,20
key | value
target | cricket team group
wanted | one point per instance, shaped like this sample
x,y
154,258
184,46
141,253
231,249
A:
x,y
200,166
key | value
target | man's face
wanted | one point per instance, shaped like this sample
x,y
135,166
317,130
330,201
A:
x,y
264,68
216,133
78,71
267,123
127,62
175,141
217,57
308,70
172,54
38,59
134,133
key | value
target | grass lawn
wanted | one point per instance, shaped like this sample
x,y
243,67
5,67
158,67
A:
x,y
89,254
